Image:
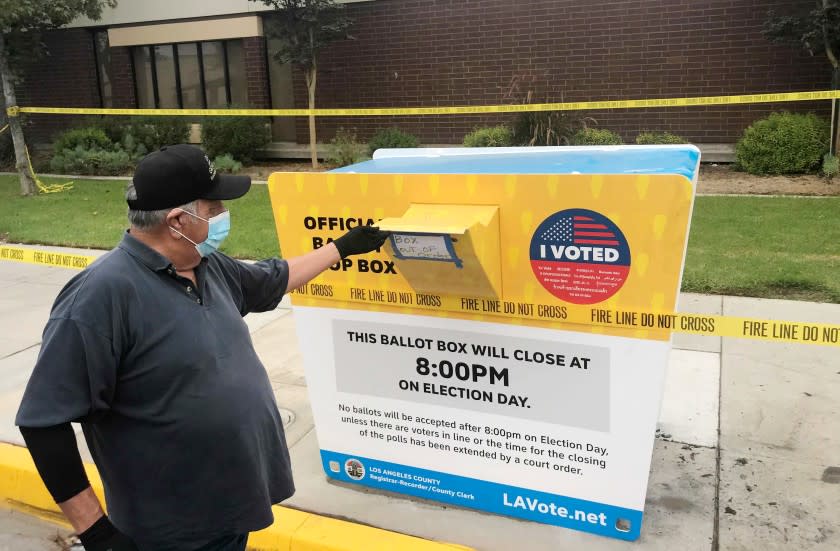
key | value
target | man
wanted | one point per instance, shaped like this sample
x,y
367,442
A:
x,y
147,349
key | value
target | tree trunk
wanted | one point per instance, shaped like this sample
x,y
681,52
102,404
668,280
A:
x,y
834,139
27,179
311,80
835,113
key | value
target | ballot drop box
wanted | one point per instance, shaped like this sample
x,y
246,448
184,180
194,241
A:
x,y
505,350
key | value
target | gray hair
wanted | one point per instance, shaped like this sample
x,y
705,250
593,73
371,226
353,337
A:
x,y
149,219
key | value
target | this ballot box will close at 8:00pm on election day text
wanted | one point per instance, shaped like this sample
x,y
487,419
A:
x,y
499,352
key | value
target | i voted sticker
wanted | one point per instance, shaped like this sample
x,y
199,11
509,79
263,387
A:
x,y
580,256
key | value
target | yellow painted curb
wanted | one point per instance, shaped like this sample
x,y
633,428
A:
x,y
21,488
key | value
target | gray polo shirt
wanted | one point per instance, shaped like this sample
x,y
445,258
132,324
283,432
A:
x,y
176,407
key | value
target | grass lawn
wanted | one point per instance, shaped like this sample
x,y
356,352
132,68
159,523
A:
x,y
773,247
780,247
93,214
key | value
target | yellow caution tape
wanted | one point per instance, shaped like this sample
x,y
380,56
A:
x,y
710,325
46,188
51,188
45,258
453,110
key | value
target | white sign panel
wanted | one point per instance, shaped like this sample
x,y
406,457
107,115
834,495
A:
x,y
516,420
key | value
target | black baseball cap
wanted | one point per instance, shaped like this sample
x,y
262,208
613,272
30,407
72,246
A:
x,y
179,174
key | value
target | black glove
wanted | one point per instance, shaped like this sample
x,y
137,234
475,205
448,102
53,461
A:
x,y
104,536
360,240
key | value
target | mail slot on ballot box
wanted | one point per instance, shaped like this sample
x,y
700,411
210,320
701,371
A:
x,y
452,248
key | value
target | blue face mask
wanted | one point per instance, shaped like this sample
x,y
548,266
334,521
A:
x,y
218,228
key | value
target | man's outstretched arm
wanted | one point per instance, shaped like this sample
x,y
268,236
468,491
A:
x,y
359,240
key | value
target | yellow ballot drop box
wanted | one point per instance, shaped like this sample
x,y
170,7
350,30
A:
x,y
498,353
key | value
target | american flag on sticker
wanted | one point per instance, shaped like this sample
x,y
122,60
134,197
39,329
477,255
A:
x,y
580,230
580,256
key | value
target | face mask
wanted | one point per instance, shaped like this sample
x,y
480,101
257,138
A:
x,y
218,228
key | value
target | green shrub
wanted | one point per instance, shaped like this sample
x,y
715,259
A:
x,y
783,143
659,138
113,145
140,135
162,131
226,163
390,138
152,133
91,161
113,127
239,137
831,165
135,150
596,136
86,138
490,136
89,150
345,149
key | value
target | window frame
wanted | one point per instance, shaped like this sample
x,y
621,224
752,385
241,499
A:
x,y
201,78
200,54
176,62
228,96
100,65
153,61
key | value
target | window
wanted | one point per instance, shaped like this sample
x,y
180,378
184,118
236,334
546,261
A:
x,y
143,78
167,77
192,83
194,75
236,73
103,67
215,74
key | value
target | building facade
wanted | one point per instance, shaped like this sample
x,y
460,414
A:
x,y
215,53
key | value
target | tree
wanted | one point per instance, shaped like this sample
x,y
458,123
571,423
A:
x,y
303,27
21,25
817,29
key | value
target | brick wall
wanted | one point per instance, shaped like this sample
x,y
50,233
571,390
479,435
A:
x,y
431,52
122,78
256,71
435,52
64,78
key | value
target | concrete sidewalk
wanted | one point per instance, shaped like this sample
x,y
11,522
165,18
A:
x,y
747,454
22,532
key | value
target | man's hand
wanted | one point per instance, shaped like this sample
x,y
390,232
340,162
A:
x,y
104,536
360,240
